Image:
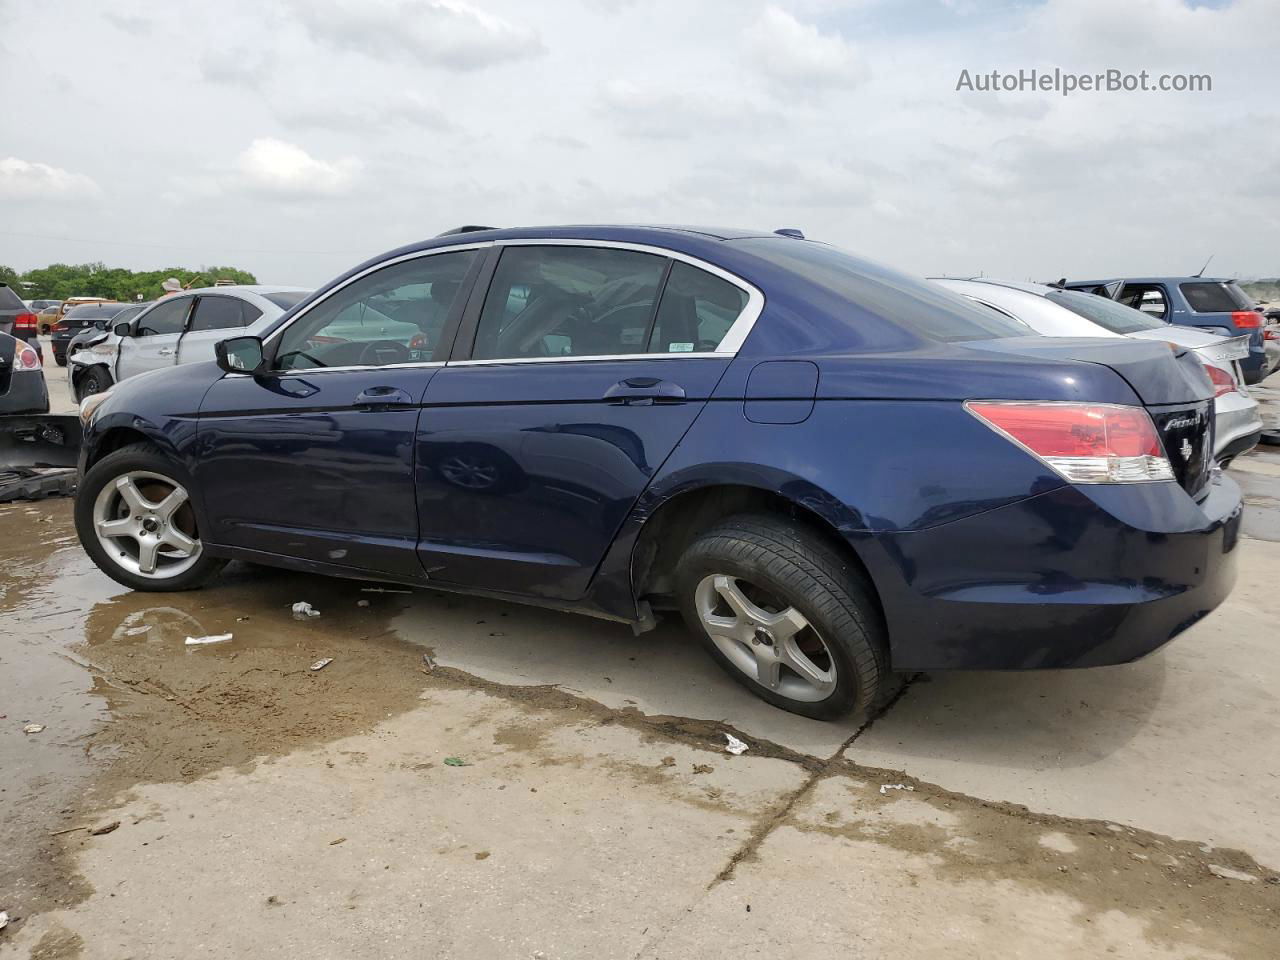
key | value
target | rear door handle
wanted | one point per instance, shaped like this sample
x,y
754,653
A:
x,y
643,391
383,397
165,352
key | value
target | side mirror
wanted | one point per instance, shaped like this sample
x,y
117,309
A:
x,y
239,354
122,329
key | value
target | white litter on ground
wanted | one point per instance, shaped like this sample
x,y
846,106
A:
x,y
213,638
33,728
735,746
886,787
304,611
4,919
321,664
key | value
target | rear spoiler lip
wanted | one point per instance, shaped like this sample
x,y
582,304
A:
x,y
1226,349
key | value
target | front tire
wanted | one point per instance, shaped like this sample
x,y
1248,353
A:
x,y
135,519
94,380
787,617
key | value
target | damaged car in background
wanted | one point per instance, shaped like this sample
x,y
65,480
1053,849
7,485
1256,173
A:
x,y
834,472
181,328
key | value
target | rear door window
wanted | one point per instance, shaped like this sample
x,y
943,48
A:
x,y
1151,298
1214,297
569,301
217,313
696,312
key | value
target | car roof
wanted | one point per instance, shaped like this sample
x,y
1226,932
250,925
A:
x,y
1169,279
1039,289
261,289
591,230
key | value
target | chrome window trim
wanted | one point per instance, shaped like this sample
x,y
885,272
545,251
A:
x,y
596,358
311,371
382,264
730,344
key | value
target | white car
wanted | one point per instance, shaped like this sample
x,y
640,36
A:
x,y
180,328
1053,312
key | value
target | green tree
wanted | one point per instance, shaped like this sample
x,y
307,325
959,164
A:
x,y
63,280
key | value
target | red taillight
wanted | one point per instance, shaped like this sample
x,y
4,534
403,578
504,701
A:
x,y
1271,333
58,327
1084,442
24,323
1223,382
1247,319
26,359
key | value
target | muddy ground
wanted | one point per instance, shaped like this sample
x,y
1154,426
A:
x,y
549,786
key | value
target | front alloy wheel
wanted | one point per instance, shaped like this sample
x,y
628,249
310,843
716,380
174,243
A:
x,y
144,522
137,522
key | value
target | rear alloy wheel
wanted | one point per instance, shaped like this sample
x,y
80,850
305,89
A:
x,y
136,520
787,616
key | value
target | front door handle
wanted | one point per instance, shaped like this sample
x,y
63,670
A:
x,y
165,352
383,397
642,391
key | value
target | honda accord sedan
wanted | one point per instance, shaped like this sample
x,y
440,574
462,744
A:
x,y
836,473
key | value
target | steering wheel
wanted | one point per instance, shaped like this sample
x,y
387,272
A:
x,y
377,352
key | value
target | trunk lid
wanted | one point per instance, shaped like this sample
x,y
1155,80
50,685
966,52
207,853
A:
x,y
1171,385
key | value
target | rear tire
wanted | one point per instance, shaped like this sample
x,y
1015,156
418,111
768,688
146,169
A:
x,y
787,617
135,520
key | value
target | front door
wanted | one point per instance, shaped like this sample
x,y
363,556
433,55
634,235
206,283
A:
x,y
589,364
154,343
314,459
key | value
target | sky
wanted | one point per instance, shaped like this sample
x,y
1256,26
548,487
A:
x,y
297,138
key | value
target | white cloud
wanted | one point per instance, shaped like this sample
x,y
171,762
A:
x,y
799,53
446,33
235,65
681,112
274,166
22,178
396,112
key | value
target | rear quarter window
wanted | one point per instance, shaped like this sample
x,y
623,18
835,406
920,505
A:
x,y
923,308
1214,297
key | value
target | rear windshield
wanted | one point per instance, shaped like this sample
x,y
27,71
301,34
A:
x,y
10,300
1116,317
286,299
1212,296
921,307
94,311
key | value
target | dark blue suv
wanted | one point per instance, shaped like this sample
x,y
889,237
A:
x,y
833,471
1216,305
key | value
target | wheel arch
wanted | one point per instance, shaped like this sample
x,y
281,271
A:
x,y
666,530
109,437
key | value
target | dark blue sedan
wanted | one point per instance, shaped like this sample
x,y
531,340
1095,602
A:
x,y
835,472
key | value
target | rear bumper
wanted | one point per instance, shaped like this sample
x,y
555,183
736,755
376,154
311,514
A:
x,y
1236,417
27,393
1076,577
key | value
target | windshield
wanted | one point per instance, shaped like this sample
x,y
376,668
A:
x,y
1115,317
284,299
921,307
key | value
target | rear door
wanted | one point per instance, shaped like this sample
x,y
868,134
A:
x,y
214,318
572,382
154,342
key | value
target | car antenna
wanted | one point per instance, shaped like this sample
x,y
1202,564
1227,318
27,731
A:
x,y
1205,267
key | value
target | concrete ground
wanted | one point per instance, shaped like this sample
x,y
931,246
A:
x,y
548,786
